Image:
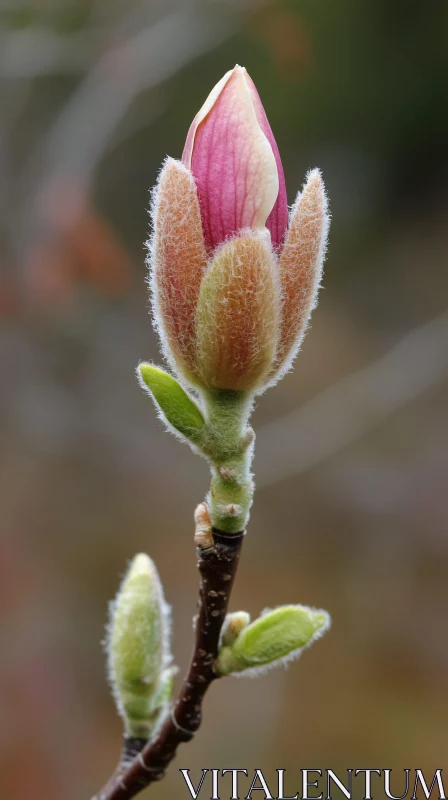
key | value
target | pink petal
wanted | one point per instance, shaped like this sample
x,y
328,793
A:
x,y
233,161
277,222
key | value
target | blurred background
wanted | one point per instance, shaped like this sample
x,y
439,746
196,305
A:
x,y
351,465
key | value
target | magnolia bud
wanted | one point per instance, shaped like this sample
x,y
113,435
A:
x,y
276,637
233,287
138,648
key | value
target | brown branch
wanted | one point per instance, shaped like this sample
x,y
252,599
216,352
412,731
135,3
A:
x,y
141,762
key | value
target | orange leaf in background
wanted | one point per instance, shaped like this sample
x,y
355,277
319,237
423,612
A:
x,y
50,275
9,299
74,244
101,260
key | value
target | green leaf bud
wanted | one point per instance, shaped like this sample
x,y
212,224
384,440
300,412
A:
x,y
138,648
176,407
276,637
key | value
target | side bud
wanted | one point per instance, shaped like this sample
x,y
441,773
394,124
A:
x,y
238,315
138,648
234,623
276,637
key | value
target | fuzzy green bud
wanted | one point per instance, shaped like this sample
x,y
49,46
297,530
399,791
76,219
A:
x,y
275,637
138,648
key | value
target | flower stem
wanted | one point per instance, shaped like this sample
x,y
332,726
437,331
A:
x,y
229,449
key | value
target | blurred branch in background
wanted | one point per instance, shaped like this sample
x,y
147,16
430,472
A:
x,y
354,405
66,161
38,52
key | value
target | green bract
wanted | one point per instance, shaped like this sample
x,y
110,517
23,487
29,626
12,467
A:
x,y
275,637
175,404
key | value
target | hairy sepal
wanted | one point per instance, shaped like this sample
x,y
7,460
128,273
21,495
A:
x,y
238,315
300,269
177,260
